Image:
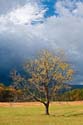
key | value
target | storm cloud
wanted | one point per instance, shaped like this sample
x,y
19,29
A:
x,y
24,30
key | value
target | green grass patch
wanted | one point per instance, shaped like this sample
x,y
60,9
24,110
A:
x,y
62,114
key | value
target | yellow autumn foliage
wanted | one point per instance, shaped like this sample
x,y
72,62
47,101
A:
x,y
47,67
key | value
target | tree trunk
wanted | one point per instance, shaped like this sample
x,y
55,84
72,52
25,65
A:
x,y
47,108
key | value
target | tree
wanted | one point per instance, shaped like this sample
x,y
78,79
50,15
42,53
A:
x,y
47,74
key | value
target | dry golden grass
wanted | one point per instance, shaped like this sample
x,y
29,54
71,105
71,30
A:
x,y
21,104
32,113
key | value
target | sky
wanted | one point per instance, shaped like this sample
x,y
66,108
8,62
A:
x,y
26,26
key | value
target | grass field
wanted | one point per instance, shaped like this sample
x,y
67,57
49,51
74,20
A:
x,y
33,114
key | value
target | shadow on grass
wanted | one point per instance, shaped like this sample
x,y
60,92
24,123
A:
x,y
68,114
75,114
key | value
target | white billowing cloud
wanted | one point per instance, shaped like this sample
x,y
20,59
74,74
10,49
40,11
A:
x,y
79,10
63,31
24,14
61,9
69,8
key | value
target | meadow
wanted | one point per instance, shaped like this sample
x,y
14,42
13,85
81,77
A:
x,y
65,113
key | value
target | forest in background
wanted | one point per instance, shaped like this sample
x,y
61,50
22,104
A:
x,y
10,94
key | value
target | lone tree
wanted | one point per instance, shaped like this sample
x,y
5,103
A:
x,y
47,74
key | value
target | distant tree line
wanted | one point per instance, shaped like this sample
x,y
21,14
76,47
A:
x,y
72,95
10,94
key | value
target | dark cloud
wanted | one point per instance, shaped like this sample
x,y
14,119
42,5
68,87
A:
x,y
19,41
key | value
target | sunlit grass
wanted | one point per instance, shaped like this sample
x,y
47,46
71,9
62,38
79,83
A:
x,y
61,114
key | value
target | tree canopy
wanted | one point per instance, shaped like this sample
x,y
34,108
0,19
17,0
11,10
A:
x,y
47,74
